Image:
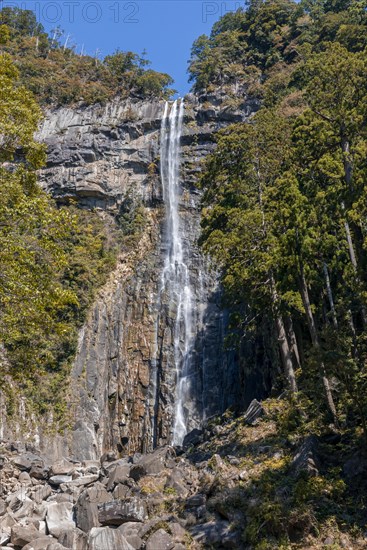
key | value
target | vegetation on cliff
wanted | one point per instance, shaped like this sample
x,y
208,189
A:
x,y
285,206
263,45
57,75
52,259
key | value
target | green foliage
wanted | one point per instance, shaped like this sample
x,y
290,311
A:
x,y
284,205
19,115
131,217
52,259
59,76
269,34
235,226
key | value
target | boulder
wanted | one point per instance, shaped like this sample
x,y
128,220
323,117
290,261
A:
x,y
6,523
58,480
91,466
193,438
152,463
217,534
26,461
59,517
109,466
178,532
137,472
40,511
15,500
4,538
55,546
160,540
118,475
104,538
130,530
306,460
39,471
87,506
41,526
253,413
74,538
40,493
121,491
20,536
176,480
110,456
71,490
39,544
25,510
62,467
196,500
80,481
25,478
152,525
61,497
117,512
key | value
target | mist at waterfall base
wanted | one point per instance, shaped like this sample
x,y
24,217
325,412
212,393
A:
x,y
175,277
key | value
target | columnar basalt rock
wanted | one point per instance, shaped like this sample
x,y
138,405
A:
x,y
123,382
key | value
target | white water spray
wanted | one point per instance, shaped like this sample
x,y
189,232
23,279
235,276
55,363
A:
x,y
175,275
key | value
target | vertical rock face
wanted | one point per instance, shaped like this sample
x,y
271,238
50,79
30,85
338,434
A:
x,y
123,379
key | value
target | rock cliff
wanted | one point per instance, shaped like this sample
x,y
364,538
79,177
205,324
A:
x,y
122,384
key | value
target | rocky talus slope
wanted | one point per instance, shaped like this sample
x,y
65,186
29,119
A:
x,y
236,480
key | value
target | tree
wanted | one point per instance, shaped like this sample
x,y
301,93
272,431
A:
x,y
335,91
237,228
32,230
19,116
59,76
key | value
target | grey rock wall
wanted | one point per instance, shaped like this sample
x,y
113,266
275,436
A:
x,y
122,381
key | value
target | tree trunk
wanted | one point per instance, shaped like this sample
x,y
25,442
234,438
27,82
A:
x,y
348,166
352,253
316,344
330,296
285,351
353,260
286,354
292,340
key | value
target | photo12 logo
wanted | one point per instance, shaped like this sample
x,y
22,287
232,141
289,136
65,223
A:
x,y
212,11
82,10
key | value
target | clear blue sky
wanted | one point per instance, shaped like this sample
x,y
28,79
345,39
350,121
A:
x,y
166,29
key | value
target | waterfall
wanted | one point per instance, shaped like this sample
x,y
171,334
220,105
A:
x,y
175,279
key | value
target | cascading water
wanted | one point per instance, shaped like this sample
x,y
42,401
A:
x,y
175,280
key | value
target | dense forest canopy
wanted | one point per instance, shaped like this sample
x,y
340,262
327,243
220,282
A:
x,y
265,43
285,195
57,75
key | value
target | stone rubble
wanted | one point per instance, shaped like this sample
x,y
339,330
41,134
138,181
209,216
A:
x,y
143,502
